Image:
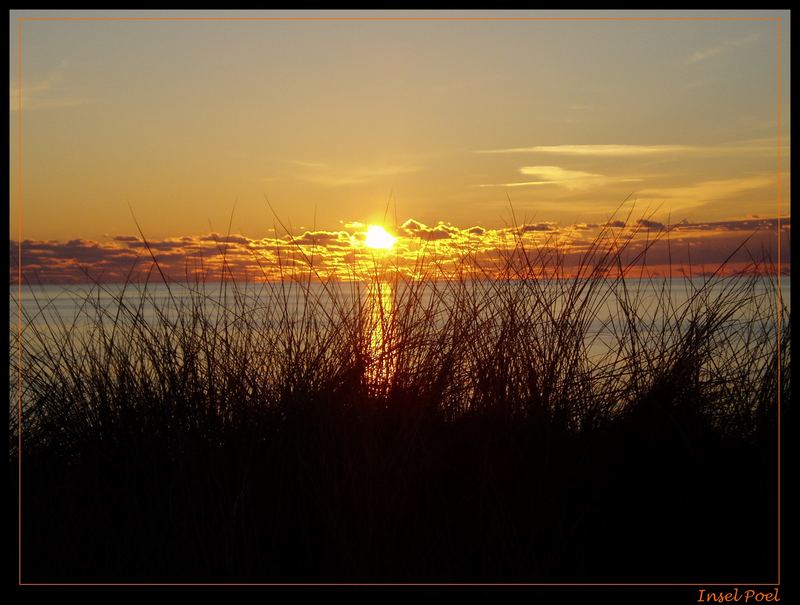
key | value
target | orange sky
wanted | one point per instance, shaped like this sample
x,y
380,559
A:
x,y
192,125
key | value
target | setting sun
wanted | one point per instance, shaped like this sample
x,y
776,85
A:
x,y
465,297
378,238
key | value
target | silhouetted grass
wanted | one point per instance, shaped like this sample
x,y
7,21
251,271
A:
x,y
444,428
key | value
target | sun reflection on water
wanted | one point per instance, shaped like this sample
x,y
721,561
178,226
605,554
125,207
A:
x,y
380,324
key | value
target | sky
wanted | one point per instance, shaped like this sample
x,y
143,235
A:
x,y
213,126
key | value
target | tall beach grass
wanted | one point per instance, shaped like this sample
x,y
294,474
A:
x,y
514,422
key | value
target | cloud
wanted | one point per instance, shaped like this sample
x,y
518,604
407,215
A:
x,y
323,238
749,225
316,165
332,176
722,47
412,228
44,93
555,175
342,252
700,193
594,150
162,246
559,176
517,184
538,227
747,147
225,239
647,224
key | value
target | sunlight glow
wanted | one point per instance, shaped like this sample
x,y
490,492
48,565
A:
x,y
378,238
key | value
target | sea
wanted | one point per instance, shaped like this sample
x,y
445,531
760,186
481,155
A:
x,y
42,313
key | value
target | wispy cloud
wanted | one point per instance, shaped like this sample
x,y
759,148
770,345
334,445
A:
x,y
703,192
333,176
615,150
556,175
722,47
317,165
594,150
45,93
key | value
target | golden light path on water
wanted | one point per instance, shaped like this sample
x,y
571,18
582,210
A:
x,y
380,355
381,360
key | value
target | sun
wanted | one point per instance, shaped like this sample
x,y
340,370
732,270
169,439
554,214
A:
x,y
378,238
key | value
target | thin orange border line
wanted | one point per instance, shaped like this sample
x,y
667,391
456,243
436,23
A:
x,y
19,294
780,300
20,20
685,584
400,18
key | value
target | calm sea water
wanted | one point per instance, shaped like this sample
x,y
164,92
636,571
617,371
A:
x,y
49,310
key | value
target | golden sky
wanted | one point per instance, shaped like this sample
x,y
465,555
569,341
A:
x,y
439,121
